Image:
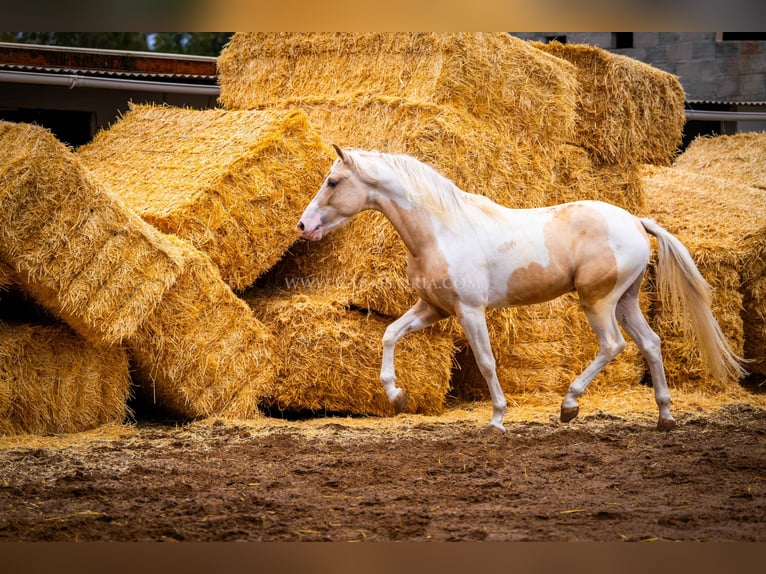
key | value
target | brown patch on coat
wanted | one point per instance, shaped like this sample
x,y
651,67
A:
x,y
579,255
596,274
427,268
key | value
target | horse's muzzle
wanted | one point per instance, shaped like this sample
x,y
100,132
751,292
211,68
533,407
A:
x,y
311,228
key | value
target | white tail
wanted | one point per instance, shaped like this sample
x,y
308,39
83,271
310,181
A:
x,y
681,286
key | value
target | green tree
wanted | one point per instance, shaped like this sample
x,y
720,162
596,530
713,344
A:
x,y
200,43
101,40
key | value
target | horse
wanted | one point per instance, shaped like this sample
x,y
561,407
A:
x,y
467,253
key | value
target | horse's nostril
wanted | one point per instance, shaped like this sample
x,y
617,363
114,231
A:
x,y
301,226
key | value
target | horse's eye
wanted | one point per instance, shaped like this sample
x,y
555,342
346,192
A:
x,y
332,182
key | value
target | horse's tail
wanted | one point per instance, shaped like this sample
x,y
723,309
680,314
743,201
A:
x,y
682,287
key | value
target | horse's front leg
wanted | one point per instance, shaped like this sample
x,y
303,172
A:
x,y
420,316
474,323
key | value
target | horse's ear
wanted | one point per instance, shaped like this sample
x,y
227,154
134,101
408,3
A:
x,y
340,153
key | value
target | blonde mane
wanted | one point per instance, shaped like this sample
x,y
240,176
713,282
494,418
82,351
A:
x,y
426,187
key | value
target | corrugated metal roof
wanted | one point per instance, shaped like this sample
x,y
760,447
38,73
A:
x,y
108,63
726,103
186,78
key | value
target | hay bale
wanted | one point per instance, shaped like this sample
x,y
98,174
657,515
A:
x,y
331,356
114,278
232,183
577,176
480,158
737,158
201,352
72,245
54,381
722,224
495,77
628,111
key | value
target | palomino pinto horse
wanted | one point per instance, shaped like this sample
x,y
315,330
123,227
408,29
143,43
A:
x,y
467,254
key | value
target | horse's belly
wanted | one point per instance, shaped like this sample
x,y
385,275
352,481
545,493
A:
x,y
531,284
517,297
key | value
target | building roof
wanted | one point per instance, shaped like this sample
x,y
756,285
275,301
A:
x,y
725,103
121,64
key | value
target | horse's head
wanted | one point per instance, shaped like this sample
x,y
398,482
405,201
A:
x,y
343,194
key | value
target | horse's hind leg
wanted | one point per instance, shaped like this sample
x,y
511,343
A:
x,y
610,344
636,326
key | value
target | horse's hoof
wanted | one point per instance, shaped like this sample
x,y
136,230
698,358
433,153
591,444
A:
x,y
568,413
493,430
666,424
400,402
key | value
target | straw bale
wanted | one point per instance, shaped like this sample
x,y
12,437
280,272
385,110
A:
x,y
628,111
331,356
495,77
114,278
738,158
577,176
73,246
233,183
54,381
722,224
201,352
541,349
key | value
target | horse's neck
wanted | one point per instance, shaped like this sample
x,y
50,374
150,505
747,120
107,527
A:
x,y
415,225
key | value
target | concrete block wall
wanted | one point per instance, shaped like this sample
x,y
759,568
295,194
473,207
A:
x,y
708,67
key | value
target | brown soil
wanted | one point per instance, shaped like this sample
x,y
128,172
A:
x,y
601,478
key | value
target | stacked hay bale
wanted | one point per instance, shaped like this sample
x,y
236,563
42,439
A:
x,y
231,183
722,224
116,280
332,356
629,113
738,158
494,114
51,379
346,85
200,352
732,169
54,381
754,315
478,73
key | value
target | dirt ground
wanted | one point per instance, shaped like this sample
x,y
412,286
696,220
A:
x,y
599,478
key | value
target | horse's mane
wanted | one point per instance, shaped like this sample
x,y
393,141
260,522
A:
x,y
427,187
